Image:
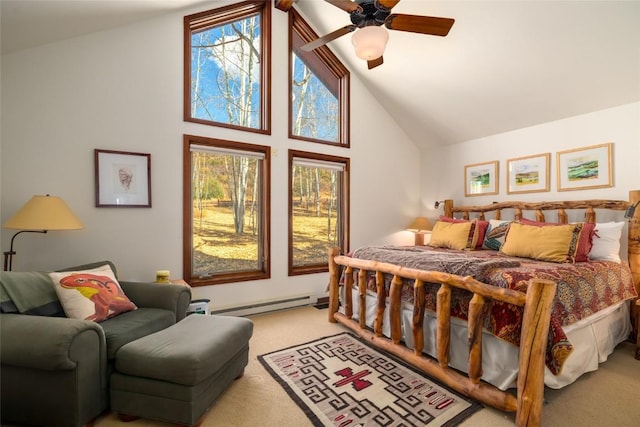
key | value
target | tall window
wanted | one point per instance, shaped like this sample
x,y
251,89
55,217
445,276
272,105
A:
x,y
318,209
319,89
227,66
226,211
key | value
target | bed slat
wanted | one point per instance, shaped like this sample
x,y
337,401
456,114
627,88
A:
x,y
395,295
382,303
539,215
349,298
362,297
418,316
476,320
443,331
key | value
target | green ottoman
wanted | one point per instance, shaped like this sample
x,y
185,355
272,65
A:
x,y
176,374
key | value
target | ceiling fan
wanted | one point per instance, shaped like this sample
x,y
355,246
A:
x,y
367,18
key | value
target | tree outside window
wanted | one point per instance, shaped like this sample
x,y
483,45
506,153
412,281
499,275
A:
x,y
318,209
226,208
227,71
319,88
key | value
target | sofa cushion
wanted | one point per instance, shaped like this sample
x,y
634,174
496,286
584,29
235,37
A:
x,y
93,294
130,326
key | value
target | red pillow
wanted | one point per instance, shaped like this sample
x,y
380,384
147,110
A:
x,y
585,239
481,226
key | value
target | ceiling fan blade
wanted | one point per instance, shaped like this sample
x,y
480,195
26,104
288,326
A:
x,y
346,5
327,38
419,24
374,62
387,4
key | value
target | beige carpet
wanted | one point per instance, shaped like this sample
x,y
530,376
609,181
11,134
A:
x,y
607,397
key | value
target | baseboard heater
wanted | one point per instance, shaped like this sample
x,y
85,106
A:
x,y
266,307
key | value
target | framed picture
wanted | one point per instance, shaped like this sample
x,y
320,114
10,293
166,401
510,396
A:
x,y
583,168
481,179
528,174
123,179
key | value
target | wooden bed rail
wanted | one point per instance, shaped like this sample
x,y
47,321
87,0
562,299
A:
x,y
533,340
589,207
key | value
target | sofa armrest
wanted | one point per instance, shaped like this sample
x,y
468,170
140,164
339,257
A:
x,y
173,297
49,343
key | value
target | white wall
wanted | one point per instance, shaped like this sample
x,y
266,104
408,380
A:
x,y
443,167
122,90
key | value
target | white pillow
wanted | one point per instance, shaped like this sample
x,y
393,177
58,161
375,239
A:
x,y
606,242
91,294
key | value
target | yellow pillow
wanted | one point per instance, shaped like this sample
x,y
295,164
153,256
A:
x,y
452,235
541,243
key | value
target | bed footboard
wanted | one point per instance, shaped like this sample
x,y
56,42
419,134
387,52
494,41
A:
x,y
533,340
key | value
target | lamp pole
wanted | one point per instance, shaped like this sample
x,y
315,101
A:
x,y
8,256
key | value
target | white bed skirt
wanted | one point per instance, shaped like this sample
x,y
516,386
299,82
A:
x,y
593,340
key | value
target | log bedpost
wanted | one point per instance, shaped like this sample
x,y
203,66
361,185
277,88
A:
x,y
448,208
533,344
634,239
633,254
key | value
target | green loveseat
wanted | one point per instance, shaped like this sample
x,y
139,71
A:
x,y
55,370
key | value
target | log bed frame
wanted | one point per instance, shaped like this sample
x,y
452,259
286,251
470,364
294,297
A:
x,y
528,401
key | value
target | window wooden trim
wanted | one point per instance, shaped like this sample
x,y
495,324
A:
x,y
265,197
222,15
344,213
322,55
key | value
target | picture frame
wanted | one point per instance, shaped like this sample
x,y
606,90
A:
x,y
481,179
122,179
585,168
528,174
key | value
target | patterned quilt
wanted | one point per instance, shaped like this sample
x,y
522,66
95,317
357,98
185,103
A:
x,y
582,289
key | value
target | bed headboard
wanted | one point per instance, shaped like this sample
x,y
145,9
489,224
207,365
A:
x,y
539,208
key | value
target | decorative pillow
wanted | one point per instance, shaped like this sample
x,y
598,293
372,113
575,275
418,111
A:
x,y
91,294
541,243
494,237
584,237
480,229
452,235
606,242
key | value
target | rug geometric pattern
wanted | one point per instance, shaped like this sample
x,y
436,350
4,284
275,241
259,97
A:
x,y
342,381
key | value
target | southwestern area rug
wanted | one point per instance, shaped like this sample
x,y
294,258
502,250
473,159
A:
x,y
342,381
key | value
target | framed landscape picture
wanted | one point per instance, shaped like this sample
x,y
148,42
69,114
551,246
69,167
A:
x,y
528,174
584,168
481,179
123,179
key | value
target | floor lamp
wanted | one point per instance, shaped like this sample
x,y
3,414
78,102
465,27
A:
x,y
39,215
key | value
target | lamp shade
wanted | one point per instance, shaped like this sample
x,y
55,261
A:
x,y
419,225
44,213
369,42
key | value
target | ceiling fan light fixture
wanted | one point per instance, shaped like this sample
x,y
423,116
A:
x,y
369,42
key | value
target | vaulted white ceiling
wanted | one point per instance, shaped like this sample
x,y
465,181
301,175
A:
x,y
505,65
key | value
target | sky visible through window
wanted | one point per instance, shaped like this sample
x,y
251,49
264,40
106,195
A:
x,y
225,73
315,109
